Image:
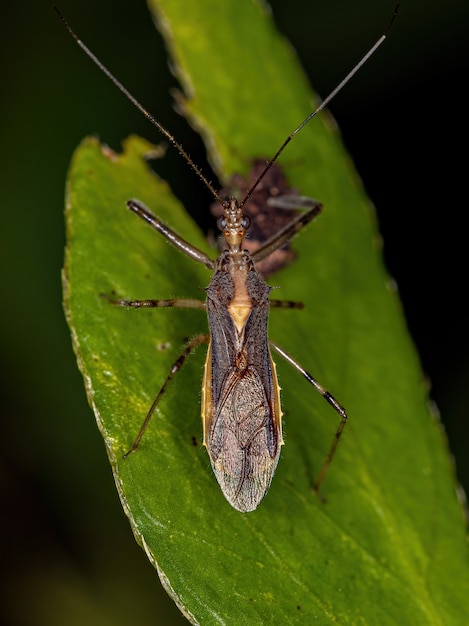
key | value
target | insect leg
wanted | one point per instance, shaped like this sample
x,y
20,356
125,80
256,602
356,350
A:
x,y
141,210
291,201
190,347
180,303
284,235
286,304
330,399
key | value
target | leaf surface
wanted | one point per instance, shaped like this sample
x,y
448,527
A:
x,y
388,546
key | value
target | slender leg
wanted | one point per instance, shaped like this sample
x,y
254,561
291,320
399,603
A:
x,y
330,399
285,234
180,303
190,347
291,201
286,304
194,253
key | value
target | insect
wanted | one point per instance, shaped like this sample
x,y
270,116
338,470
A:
x,y
241,409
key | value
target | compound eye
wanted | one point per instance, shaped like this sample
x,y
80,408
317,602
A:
x,y
221,222
246,222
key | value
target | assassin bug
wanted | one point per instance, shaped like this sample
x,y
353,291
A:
x,y
241,411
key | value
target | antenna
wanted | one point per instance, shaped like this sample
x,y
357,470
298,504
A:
x,y
323,104
141,108
179,147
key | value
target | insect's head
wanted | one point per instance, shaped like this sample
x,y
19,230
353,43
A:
x,y
233,224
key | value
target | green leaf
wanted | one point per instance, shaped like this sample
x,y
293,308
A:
x,y
388,546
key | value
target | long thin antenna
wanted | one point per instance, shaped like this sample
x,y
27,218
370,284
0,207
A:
x,y
323,104
141,108
179,147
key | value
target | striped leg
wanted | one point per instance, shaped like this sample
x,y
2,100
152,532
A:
x,y
190,347
330,399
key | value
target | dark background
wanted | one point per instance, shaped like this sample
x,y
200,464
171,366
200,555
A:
x,y
67,550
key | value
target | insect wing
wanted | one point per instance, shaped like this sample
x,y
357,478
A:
x,y
243,443
241,401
